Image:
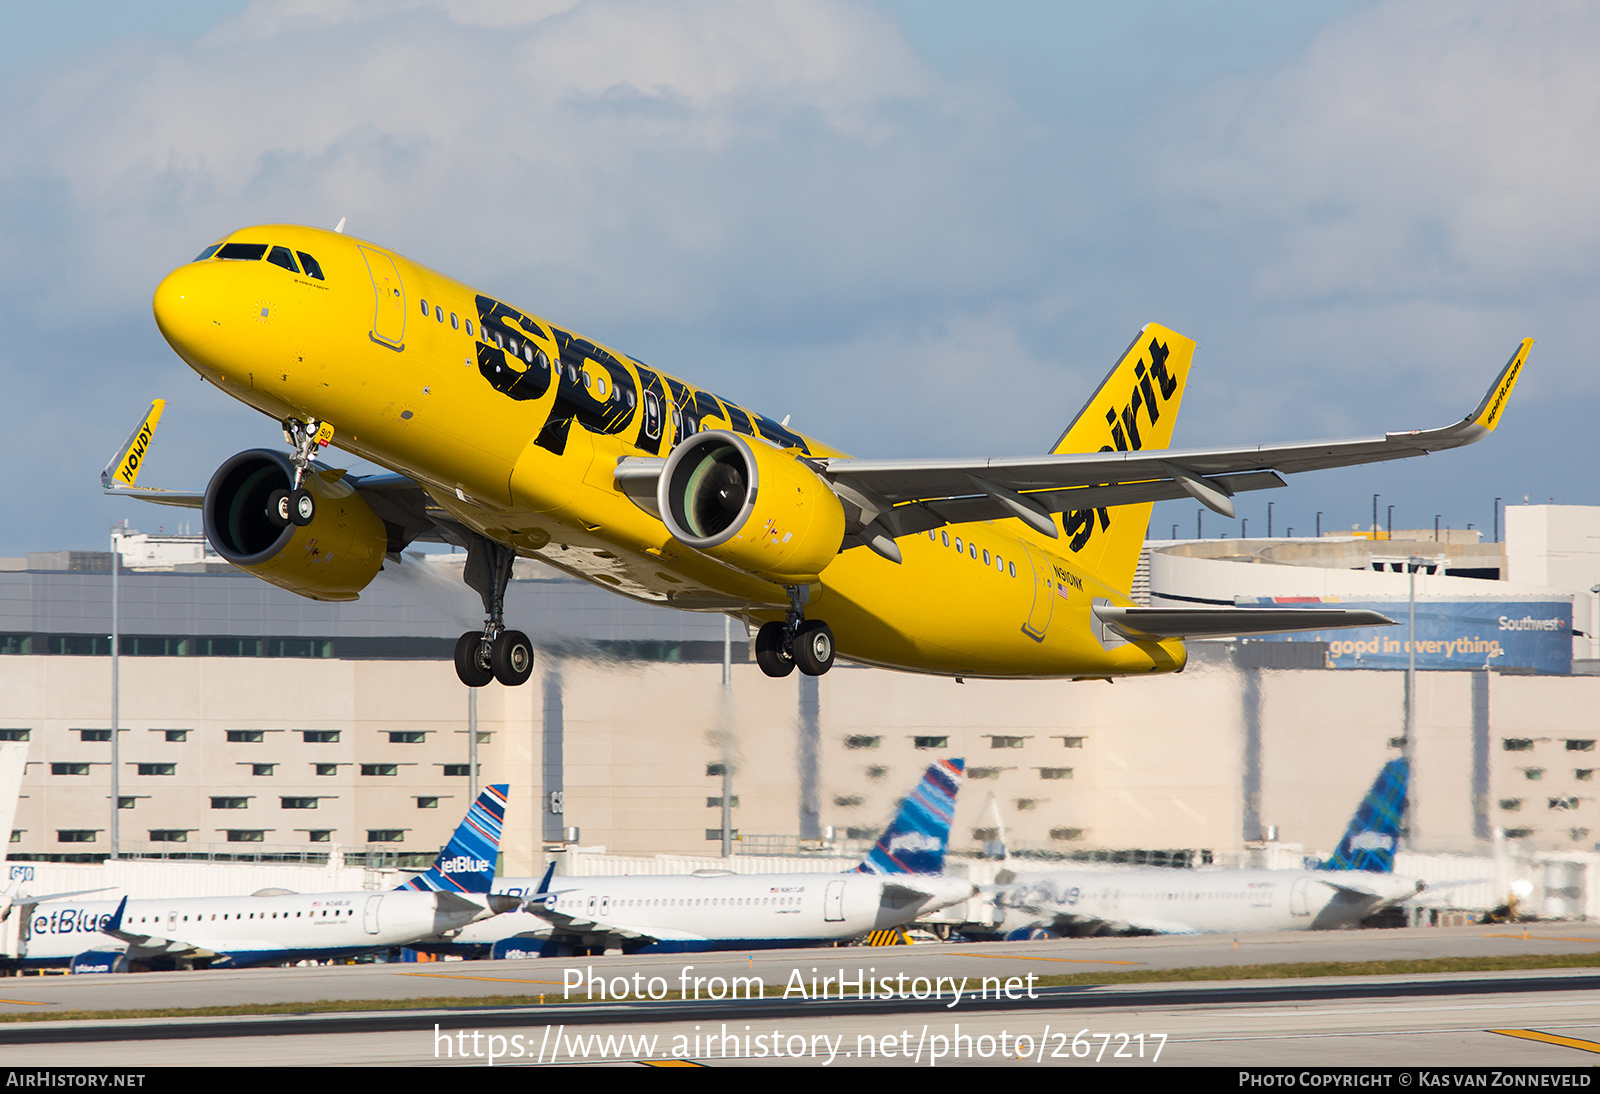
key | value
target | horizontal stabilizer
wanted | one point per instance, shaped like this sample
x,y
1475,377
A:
x,y
1147,623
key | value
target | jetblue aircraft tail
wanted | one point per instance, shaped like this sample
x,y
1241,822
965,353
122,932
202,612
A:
x,y
1132,410
1370,840
466,864
915,841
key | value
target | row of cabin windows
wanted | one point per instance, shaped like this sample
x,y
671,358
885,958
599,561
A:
x,y
972,549
857,741
523,347
449,770
1525,744
255,252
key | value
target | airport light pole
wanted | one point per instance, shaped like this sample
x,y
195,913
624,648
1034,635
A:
x,y
116,751
1269,520
1319,524
1389,528
1408,744
727,733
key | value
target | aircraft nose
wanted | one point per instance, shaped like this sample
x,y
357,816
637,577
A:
x,y
183,309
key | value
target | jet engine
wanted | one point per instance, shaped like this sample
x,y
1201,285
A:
x,y
333,557
751,505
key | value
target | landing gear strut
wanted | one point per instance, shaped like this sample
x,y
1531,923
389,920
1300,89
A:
x,y
297,505
493,653
797,642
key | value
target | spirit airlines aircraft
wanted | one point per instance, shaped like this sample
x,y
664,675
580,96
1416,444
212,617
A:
x,y
898,882
274,927
507,434
1357,882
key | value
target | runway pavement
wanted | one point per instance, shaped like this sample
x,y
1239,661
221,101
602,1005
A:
x,y
1552,1018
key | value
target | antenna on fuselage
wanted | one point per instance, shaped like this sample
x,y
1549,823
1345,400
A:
x,y
339,227
785,423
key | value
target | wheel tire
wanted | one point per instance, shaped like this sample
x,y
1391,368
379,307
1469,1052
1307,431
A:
x,y
511,658
774,660
469,661
813,647
302,507
278,508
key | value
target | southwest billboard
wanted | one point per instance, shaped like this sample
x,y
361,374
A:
x,y
1532,635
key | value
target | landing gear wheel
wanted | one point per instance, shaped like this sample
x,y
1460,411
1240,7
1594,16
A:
x,y
774,660
278,508
813,647
302,507
511,658
469,660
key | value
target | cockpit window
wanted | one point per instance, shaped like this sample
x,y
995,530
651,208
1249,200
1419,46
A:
x,y
208,252
312,269
245,252
280,256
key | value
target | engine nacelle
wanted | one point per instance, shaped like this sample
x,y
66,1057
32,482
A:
x,y
750,505
332,558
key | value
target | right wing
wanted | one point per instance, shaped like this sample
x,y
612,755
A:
x,y
910,496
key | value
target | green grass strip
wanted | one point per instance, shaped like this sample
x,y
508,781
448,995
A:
x,y
1296,971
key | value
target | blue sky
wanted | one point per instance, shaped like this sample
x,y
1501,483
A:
x,y
919,228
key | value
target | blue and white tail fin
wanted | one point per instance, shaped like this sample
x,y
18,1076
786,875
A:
x,y
915,841
1369,842
466,864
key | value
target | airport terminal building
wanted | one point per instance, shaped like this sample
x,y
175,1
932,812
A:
x,y
255,723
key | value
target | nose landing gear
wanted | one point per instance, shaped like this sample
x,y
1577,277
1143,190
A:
x,y
494,653
297,505
797,642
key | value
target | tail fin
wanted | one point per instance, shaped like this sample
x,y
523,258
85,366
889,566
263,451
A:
x,y
124,466
1132,410
1369,842
915,841
466,864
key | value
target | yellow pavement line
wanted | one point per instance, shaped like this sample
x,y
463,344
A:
x,y
496,979
26,1003
1070,960
670,1063
1526,937
1549,1039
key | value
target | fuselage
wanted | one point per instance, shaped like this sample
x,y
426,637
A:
x,y
515,425
247,930
706,912
1183,901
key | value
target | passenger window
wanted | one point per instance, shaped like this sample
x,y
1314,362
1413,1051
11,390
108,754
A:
x,y
280,256
986,558
1012,567
972,549
438,313
469,326
208,252
424,309
946,537
455,324
311,267
600,385
243,252
958,545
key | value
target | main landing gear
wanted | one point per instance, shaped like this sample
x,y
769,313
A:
x,y
297,505
797,642
493,653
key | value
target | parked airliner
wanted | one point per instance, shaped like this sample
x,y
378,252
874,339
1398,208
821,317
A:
x,y
273,927
1355,883
900,880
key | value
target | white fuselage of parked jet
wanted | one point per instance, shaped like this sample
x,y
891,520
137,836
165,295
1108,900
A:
x,y
248,930
714,910
1176,901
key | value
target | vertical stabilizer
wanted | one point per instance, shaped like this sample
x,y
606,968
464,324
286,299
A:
x,y
1370,840
466,864
915,841
1133,410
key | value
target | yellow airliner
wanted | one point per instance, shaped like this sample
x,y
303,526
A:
x,y
510,435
